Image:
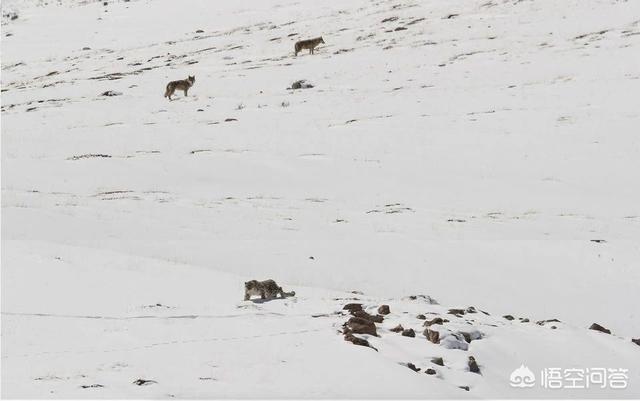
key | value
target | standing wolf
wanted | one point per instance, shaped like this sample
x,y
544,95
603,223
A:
x,y
183,85
310,44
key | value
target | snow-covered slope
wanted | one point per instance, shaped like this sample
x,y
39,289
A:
x,y
483,153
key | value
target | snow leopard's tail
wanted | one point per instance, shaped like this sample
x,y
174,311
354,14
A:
x,y
287,294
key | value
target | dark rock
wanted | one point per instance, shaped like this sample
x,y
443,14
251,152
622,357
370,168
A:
x,y
456,312
508,317
400,28
358,341
144,382
438,361
471,309
543,322
91,386
199,31
365,315
409,333
377,318
397,329
525,320
432,336
389,19
362,326
413,367
597,327
226,120
421,317
111,93
636,341
424,298
473,365
430,371
435,320
465,388
86,48
352,307
384,310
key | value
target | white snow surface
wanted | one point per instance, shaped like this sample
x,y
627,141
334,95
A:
x,y
486,155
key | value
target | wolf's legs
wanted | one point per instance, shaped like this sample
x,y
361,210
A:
x,y
185,92
262,295
246,296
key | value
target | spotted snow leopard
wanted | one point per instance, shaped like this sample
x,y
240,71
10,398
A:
x,y
266,289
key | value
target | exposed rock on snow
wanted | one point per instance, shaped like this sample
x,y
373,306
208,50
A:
x,y
413,367
438,361
352,307
544,322
409,333
424,298
473,365
357,340
597,327
360,325
384,310
435,320
144,382
432,335
397,329
91,386
111,93
364,315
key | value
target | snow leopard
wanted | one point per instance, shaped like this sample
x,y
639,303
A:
x,y
266,289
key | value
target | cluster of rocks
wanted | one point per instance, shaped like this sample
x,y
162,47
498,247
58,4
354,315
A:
x,y
453,329
362,322
472,364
